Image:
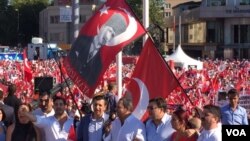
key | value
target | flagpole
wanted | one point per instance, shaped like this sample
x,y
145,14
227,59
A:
x,y
145,18
174,35
119,74
76,18
180,30
172,73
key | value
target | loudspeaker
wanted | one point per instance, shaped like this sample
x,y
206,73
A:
x,y
43,83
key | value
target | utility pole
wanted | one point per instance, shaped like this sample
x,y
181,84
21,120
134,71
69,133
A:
x,y
145,17
18,16
76,18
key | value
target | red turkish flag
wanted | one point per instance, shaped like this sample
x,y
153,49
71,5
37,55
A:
x,y
3,88
110,29
27,69
72,134
151,78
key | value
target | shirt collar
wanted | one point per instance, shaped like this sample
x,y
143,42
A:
x,y
165,118
128,118
105,117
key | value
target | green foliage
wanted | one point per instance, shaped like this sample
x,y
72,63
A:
x,y
3,5
8,28
20,21
19,3
156,15
156,20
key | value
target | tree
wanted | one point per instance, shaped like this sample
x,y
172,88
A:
x,y
20,3
7,24
3,5
156,15
156,20
20,20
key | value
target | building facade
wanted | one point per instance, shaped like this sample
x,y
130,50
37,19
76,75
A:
x,y
55,29
169,4
215,28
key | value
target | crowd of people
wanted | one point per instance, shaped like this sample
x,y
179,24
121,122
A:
x,y
110,118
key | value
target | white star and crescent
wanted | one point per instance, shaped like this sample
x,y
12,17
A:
x,y
141,107
127,34
104,10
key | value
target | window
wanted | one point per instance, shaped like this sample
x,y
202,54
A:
x,y
54,19
185,36
244,33
216,3
190,37
167,14
168,6
55,37
191,26
83,18
244,2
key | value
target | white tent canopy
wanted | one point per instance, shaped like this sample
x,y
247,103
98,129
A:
x,y
183,60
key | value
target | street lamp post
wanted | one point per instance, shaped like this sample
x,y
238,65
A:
x,y
17,20
17,10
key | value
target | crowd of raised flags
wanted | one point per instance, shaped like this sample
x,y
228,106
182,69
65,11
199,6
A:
x,y
179,86
90,65
202,86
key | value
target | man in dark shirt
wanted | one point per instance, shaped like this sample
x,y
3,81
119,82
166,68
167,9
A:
x,y
11,99
9,111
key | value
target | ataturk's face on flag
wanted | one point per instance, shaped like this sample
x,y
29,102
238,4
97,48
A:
x,y
88,53
113,27
110,29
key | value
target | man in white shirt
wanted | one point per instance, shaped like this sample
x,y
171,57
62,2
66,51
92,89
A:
x,y
211,124
45,109
126,127
158,126
56,127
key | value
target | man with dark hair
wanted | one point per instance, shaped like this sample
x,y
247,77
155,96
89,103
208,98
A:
x,y
12,100
36,53
8,110
126,127
111,97
158,126
211,124
90,127
233,113
45,105
45,109
56,127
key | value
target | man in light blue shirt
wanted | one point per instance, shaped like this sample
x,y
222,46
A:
x,y
91,125
232,113
158,126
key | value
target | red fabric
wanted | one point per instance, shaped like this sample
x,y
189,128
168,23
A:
x,y
107,51
27,69
215,83
72,134
171,64
3,88
154,75
129,59
183,138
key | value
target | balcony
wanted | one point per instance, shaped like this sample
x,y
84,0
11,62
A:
x,y
225,11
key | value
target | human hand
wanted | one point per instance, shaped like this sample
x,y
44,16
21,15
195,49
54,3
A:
x,y
107,127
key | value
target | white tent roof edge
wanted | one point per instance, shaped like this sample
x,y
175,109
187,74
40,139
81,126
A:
x,y
179,56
